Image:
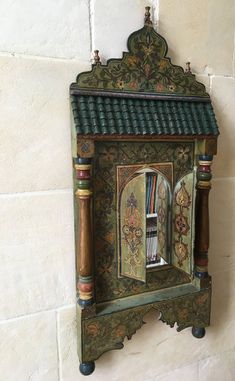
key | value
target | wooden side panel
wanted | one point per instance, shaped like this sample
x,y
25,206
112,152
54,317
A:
x,y
132,229
183,226
162,216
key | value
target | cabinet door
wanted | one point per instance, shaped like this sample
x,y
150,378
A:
x,y
183,228
132,229
162,216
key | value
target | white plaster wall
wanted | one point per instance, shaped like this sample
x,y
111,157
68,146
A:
x,y
43,45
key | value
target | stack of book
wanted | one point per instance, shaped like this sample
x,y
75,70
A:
x,y
151,241
151,199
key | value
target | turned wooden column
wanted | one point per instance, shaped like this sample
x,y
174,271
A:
x,y
202,216
84,245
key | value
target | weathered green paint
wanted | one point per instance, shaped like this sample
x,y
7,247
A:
x,y
183,223
163,216
106,332
145,68
145,298
132,229
105,115
145,96
108,155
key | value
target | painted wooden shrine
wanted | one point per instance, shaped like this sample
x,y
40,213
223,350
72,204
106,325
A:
x,y
144,136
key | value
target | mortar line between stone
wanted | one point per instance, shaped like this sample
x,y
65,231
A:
x,y
234,57
42,58
25,316
58,347
37,193
210,84
175,369
156,12
198,370
91,25
210,357
223,178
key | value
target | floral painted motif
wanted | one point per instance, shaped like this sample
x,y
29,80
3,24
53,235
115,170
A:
x,y
108,331
162,191
182,197
132,229
181,224
161,214
182,219
183,153
145,68
108,157
181,251
162,209
132,247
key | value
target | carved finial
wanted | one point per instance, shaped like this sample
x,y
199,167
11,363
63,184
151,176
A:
x,y
96,57
147,16
188,68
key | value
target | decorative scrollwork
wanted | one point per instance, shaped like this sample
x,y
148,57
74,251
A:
x,y
145,68
107,332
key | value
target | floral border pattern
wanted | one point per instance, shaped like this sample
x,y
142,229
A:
x,y
182,239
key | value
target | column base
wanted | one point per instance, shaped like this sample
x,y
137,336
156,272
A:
x,y
201,275
85,303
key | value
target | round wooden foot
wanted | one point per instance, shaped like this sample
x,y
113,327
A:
x,y
86,368
198,332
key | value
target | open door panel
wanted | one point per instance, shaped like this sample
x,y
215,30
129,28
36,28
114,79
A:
x,y
132,229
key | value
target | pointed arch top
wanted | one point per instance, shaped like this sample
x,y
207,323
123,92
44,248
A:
x,y
145,69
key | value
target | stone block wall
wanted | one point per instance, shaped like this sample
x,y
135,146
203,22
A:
x,y
43,45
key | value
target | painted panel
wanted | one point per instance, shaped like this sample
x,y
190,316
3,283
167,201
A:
x,y
162,216
108,157
132,229
183,227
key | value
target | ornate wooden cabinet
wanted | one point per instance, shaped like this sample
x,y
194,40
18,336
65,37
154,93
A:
x,y
145,135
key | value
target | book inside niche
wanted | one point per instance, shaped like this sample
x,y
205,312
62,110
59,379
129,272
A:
x,y
154,215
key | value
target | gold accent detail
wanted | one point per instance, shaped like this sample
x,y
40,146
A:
x,y
206,146
85,147
82,167
182,196
201,268
83,192
85,295
204,162
204,184
211,147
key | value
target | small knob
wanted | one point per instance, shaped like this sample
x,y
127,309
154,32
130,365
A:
x,y
188,68
96,57
147,16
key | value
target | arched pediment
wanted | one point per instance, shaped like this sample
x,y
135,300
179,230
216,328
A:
x,y
145,68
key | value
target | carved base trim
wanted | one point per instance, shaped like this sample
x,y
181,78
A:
x,y
107,332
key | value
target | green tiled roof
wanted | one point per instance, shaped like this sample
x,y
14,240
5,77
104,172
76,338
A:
x,y
106,115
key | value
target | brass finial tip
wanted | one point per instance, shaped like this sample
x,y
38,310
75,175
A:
x,y
188,67
147,16
96,57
